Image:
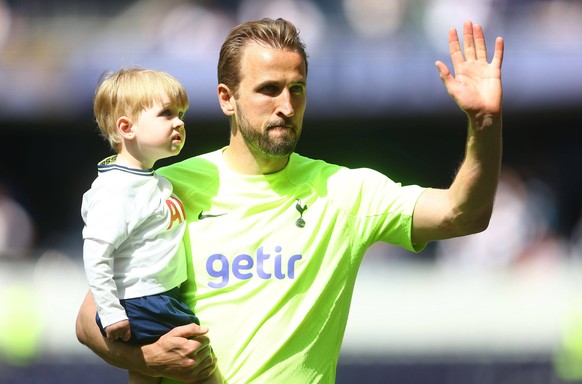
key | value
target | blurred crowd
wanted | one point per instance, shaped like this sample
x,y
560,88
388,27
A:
x,y
52,35
53,51
59,47
523,229
17,229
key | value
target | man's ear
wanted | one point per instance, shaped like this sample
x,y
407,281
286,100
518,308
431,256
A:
x,y
226,100
125,127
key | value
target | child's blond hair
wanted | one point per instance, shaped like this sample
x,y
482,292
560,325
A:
x,y
128,92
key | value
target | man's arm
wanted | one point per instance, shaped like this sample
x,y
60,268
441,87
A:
x,y
183,354
465,207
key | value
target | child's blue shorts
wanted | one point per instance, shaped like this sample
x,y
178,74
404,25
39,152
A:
x,y
152,316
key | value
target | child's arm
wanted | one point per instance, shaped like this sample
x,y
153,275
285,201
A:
x,y
98,262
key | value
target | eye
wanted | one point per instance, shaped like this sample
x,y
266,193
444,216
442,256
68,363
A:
x,y
297,88
270,89
166,112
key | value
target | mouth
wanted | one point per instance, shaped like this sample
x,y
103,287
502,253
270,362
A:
x,y
281,126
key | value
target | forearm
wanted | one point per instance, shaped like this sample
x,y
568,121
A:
x,y
466,206
182,354
118,354
472,192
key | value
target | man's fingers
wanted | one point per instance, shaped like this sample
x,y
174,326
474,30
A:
x,y
498,53
480,45
444,72
469,41
188,331
455,48
203,351
207,364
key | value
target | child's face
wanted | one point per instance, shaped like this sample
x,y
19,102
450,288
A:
x,y
159,130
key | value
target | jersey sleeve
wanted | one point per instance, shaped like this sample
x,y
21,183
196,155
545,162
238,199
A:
x,y
98,262
380,209
106,218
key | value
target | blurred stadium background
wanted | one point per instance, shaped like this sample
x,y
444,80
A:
x,y
502,307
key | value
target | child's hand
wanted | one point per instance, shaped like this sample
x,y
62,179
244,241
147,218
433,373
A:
x,y
119,330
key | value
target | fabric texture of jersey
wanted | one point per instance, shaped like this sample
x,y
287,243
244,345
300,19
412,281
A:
x,y
135,224
274,258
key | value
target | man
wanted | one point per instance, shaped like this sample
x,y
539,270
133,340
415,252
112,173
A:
x,y
276,239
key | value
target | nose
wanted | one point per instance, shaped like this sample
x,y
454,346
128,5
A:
x,y
178,122
285,104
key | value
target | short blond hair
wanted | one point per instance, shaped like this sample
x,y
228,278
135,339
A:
x,y
130,91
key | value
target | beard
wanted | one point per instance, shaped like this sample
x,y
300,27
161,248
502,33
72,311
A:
x,y
260,141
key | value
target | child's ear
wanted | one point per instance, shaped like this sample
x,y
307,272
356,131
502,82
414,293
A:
x,y
125,127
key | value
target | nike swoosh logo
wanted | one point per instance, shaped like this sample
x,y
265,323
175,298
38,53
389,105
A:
x,y
202,215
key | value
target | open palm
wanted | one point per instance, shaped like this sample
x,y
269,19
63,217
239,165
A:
x,y
476,83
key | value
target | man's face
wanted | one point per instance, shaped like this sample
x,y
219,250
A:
x,y
271,98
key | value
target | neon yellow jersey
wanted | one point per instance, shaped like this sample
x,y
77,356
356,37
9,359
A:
x,y
273,259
